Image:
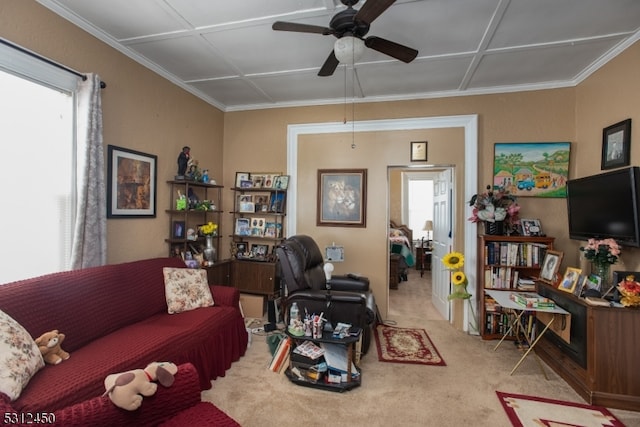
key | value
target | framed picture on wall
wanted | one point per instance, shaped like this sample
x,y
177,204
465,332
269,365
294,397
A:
x,y
131,183
616,145
533,169
342,198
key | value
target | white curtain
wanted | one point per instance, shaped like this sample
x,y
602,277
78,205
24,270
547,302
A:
x,y
89,246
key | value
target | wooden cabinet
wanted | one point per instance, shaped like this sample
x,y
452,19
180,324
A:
x,y
503,261
610,376
202,204
255,277
219,273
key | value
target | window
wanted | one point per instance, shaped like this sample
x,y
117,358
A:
x,y
420,206
36,167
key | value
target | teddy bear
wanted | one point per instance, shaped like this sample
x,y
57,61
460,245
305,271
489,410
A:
x,y
126,389
49,344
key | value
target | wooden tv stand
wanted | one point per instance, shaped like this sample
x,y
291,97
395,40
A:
x,y
611,377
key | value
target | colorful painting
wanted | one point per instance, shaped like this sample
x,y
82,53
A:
x,y
534,169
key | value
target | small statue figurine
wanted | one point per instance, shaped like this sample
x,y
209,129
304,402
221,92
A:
x,y
183,160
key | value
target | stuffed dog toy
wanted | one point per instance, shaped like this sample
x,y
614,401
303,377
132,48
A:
x,y
126,389
49,345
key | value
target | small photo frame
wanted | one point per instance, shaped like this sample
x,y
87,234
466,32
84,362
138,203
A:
x,y
241,176
570,279
616,145
580,286
531,227
419,151
245,203
592,282
257,180
243,227
179,231
281,182
240,249
246,183
261,201
269,180
277,202
259,251
550,265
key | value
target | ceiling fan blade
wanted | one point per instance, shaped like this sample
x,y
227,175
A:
x,y
329,65
301,28
371,10
395,50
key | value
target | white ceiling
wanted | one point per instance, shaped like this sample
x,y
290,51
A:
x,y
225,52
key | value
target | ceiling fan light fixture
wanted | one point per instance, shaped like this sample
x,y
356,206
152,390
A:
x,y
348,49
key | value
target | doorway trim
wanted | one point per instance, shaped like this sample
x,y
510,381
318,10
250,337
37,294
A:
x,y
468,122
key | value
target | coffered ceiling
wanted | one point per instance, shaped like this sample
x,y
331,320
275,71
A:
x,y
225,52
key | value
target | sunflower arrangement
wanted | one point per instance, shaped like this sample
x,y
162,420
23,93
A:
x,y
454,261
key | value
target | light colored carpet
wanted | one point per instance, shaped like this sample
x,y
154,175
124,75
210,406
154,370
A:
x,y
460,394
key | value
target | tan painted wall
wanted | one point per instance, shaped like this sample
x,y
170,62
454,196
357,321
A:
x,y
607,97
141,111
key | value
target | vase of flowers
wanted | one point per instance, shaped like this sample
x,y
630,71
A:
x,y
454,262
601,253
209,230
497,209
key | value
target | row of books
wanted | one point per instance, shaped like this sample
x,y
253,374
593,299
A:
x,y
500,277
514,254
499,323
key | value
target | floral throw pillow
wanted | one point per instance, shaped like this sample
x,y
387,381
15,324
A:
x,y
20,357
186,289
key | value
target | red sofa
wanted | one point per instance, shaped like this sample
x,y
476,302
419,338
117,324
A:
x,y
115,318
178,405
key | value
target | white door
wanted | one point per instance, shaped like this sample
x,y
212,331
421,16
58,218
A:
x,y
442,238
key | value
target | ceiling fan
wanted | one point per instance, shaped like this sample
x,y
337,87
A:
x,y
353,25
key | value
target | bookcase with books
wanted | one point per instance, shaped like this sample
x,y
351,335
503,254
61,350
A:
x,y
508,264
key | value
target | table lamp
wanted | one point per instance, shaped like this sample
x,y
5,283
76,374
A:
x,y
428,227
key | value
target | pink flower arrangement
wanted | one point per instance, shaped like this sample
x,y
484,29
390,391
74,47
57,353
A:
x,y
604,251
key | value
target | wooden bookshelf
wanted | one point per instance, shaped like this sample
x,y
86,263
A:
x,y
503,260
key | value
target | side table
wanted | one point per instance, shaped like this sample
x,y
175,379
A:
x,y
297,374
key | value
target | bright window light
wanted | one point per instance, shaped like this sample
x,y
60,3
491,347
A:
x,y
36,174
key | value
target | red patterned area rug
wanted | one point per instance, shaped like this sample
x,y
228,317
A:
x,y
406,345
530,411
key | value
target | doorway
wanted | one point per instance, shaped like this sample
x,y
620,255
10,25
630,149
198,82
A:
x,y
419,202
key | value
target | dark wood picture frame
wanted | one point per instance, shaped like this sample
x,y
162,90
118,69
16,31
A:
x,y
179,230
131,183
616,145
550,266
419,151
342,198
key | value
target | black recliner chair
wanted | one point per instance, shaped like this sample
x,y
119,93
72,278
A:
x,y
347,298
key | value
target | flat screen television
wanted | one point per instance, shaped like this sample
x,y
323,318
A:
x,y
605,206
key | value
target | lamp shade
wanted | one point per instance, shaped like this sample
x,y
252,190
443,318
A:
x,y
328,269
348,49
428,225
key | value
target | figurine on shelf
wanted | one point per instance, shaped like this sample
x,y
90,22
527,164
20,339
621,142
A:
x,y
183,160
